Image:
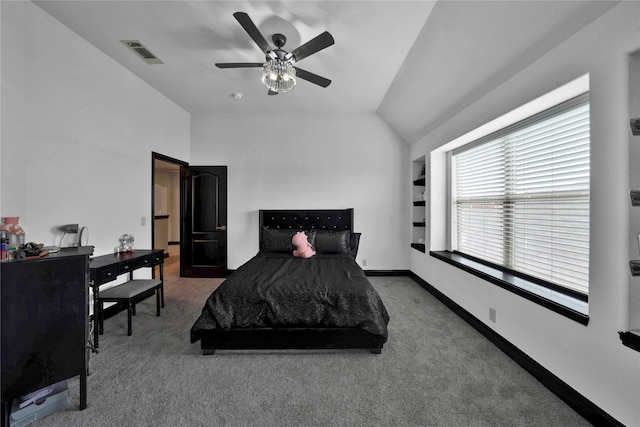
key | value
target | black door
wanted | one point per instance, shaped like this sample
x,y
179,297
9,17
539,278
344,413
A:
x,y
204,246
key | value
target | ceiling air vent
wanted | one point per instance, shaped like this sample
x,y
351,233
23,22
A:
x,y
139,49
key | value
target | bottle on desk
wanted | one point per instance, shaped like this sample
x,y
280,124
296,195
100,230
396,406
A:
x,y
4,246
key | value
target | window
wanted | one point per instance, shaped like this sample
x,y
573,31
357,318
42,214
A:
x,y
520,198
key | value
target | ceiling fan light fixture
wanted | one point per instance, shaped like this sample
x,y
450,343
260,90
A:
x,y
278,75
278,72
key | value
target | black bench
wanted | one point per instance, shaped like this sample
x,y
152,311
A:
x,y
129,292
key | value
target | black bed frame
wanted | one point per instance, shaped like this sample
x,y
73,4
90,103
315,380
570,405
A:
x,y
296,338
327,219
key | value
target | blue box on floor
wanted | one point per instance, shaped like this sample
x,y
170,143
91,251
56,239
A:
x,y
56,400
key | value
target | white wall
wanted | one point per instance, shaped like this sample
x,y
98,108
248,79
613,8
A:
x,y
77,134
304,161
591,359
13,117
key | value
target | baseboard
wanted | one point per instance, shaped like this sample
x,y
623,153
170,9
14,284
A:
x,y
387,272
564,391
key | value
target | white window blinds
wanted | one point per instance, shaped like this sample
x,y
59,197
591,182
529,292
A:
x,y
520,196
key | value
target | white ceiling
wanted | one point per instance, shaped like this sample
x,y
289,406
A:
x,y
468,48
410,61
372,40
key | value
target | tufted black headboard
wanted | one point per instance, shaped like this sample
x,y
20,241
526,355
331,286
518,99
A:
x,y
326,219
301,219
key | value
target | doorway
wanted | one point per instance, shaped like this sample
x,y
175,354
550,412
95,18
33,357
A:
x,y
189,205
166,201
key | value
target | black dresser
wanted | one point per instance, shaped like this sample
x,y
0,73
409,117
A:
x,y
44,317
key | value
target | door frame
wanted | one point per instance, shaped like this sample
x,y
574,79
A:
x,y
182,164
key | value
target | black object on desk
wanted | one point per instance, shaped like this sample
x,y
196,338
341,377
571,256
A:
x,y
44,306
107,268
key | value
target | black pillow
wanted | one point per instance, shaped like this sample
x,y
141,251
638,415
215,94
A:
x,y
311,238
278,240
332,242
354,242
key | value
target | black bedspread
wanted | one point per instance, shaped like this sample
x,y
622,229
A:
x,y
277,290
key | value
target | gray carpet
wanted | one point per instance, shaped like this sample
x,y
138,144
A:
x,y
435,370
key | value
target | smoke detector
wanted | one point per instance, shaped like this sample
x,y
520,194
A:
x,y
140,50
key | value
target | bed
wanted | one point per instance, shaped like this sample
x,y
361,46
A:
x,y
278,301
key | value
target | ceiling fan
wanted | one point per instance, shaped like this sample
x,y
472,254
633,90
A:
x,y
278,71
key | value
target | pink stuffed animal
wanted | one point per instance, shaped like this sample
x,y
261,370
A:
x,y
304,249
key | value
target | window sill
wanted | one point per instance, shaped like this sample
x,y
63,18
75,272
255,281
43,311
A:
x,y
567,306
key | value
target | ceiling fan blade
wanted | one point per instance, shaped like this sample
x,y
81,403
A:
x,y
313,78
272,92
312,46
239,64
252,30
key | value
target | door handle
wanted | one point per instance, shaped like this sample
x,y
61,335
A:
x,y
221,228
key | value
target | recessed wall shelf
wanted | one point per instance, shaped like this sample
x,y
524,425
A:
x,y
419,246
635,126
631,339
419,211
634,265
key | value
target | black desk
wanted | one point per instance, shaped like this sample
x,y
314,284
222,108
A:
x,y
106,268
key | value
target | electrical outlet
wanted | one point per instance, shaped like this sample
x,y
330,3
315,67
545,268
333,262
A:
x,y
143,221
364,262
492,315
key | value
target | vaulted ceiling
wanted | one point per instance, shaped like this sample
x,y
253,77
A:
x,y
412,62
